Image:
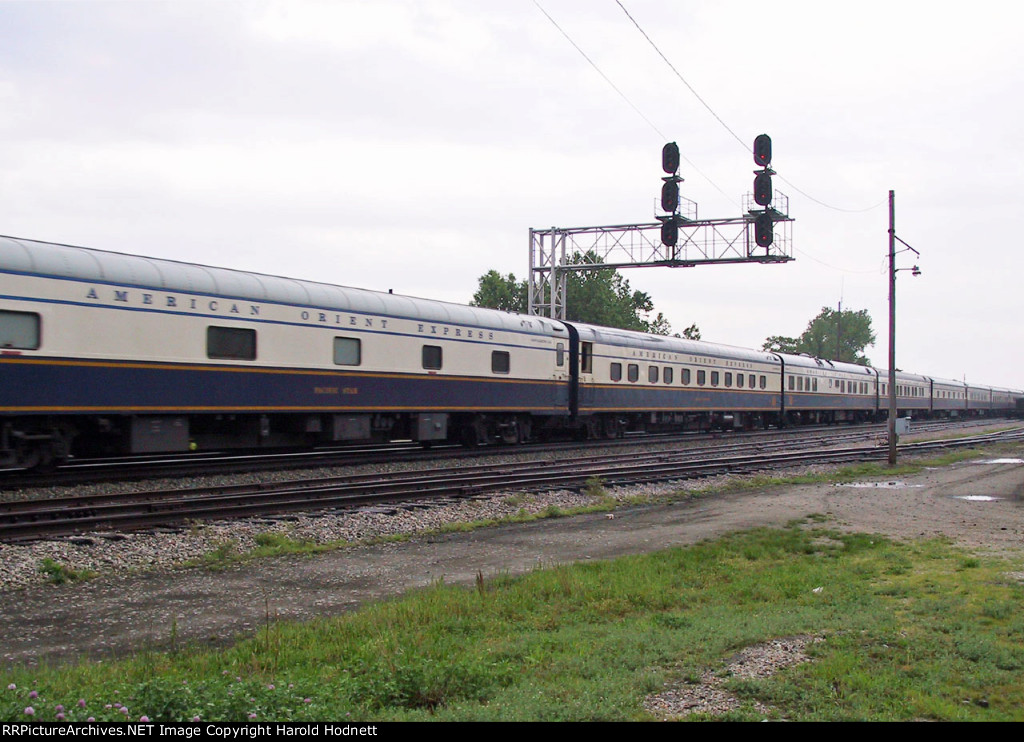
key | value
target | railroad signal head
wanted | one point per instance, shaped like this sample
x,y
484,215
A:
x,y
670,158
669,233
763,234
763,188
763,150
670,195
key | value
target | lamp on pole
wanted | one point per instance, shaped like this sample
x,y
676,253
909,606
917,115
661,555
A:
x,y
915,271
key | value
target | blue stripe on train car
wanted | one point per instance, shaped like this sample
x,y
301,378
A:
x,y
52,385
797,401
641,399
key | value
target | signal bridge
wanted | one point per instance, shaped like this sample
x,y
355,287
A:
x,y
677,240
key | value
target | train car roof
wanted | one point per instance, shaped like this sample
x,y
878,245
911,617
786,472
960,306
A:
x,y
47,259
667,344
806,361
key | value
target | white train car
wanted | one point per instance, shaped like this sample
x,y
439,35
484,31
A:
x,y
948,397
635,381
136,354
821,391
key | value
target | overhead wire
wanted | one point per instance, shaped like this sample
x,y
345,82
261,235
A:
x,y
624,97
598,70
722,122
680,76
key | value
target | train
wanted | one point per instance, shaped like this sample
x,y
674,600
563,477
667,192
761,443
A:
x,y
105,353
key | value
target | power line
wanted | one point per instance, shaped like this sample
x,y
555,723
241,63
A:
x,y
725,125
598,69
828,206
626,98
680,76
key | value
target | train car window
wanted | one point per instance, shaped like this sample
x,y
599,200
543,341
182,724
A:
x,y
764,382
652,374
633,370
231,343
728,378
560,354
686,376
668,375
714,378
701,377
814,382
501,362
616,372
348,351
587,358
432,357
792,383
740,380
19,330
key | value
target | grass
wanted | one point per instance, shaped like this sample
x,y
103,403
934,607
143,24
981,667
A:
x,y
58,574
909,631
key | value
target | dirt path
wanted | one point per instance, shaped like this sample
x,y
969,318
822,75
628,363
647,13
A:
x,y
114,615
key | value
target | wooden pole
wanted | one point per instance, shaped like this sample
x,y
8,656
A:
x,y
892,328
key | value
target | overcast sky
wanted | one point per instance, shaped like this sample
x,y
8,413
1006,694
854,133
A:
x,y
412,145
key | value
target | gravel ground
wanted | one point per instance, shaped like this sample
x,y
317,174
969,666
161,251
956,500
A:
x,y
143,599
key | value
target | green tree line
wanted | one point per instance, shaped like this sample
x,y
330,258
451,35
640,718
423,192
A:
x,y
603,297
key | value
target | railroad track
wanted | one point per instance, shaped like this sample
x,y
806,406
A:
x,y
60,517
95,470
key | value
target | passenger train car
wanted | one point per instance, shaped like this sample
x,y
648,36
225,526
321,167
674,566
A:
x,y
104,352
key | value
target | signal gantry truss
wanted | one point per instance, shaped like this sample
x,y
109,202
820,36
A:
x,y
700,242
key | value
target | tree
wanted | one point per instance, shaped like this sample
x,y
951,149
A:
x,y
596,297
502,292
833,334
781,344
691,333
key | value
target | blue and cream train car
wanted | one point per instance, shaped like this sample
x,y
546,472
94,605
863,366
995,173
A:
x,y
135,354
820,391
948,398
634,381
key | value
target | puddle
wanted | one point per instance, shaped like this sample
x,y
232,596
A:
x,y
999,461
977,498
880,485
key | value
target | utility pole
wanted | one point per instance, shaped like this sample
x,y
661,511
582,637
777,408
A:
x,y
892,328
893,270
839,332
